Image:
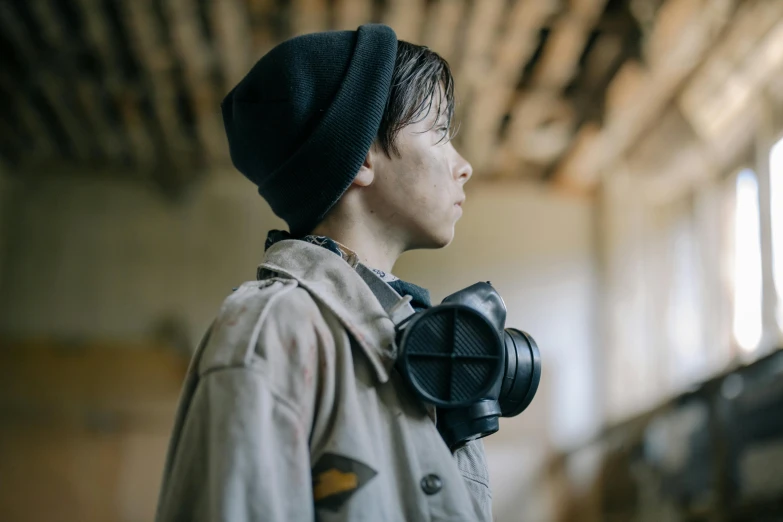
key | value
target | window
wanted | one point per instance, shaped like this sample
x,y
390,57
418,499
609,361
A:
x,y
747,263
776,214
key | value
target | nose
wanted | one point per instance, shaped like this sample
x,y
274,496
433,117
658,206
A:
x,y
462,169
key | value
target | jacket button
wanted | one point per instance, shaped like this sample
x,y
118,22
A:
x,y
431,484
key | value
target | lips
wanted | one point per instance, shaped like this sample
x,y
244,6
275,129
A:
x,y
458,206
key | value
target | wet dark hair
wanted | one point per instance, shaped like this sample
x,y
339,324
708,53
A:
x,y
420,76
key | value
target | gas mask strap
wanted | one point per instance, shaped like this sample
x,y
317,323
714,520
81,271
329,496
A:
x,y
398,308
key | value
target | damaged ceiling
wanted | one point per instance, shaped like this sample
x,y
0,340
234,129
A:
x,y
549,90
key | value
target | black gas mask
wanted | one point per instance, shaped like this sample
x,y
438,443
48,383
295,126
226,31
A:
x,y
460,357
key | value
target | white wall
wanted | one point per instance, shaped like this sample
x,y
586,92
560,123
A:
x,y
106,259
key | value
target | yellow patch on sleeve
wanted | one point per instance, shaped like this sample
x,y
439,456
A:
x,y
332,482
335,480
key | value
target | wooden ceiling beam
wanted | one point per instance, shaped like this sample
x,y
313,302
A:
x,y
350,14
153,54
490,69
496,91
52,87
260,12
42,146
692,160
625,89
541,128
622,97
603,57
671,61
582,145
232,33
87,92
197,59
656,146
566,44
775,92
475,63
669,159
126,97
406,17
587,92
541,125
441,27
309,16
561,54
721,87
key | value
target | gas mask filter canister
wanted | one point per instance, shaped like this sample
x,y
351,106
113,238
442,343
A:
x,y
460,357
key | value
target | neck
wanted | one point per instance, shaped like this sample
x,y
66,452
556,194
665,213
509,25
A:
x,y
375,248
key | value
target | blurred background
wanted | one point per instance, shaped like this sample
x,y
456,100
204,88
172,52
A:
x,y
627,202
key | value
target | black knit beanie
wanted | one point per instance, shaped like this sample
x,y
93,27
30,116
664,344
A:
x,y
301,122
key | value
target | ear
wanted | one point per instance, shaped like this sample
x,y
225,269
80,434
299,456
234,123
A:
x,y
366,174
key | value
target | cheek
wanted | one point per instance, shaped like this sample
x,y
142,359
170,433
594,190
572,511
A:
x,y
423,182
415,180
433,174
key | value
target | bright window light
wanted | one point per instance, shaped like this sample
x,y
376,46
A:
x,y
776,194
747,263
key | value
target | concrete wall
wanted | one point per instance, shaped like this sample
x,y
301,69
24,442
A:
x,y
105,259
8,189
84,430
100,258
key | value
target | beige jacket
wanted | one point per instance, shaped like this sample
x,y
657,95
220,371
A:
x,y
292,411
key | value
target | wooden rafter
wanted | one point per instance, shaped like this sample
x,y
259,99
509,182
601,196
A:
x,y
309,16
231,29
350,14
667,153
706,101
474,67
671,61
126,97
605,55
87,92
153,53
52,87
260,11
194,53
406,17
541,122
690,160
549,87
655,148
566,43
42,146
497,88
479,38
441,27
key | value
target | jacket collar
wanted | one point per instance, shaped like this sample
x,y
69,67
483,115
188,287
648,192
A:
x,y
339,287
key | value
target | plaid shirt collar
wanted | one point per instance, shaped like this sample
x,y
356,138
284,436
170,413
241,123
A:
x,y
420,296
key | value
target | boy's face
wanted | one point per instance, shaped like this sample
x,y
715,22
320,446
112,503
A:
x,y
419,193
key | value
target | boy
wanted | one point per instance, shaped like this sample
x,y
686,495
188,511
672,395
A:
x,y
292,409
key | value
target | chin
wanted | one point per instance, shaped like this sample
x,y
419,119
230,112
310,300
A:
x,y
441,239
432,236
